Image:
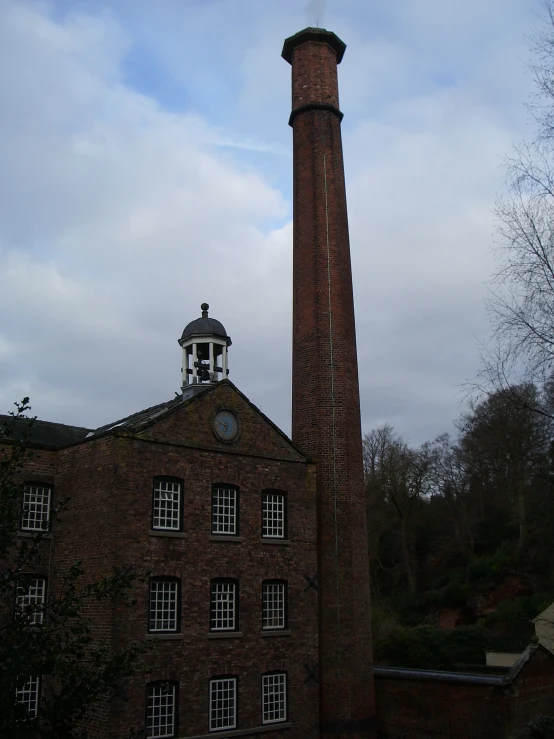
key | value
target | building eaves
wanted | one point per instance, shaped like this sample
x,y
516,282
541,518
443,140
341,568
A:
x,y
404,673
41,434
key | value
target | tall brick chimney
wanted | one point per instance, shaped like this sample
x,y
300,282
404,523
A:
x,y
325,391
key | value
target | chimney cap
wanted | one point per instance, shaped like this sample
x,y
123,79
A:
x,y
319,35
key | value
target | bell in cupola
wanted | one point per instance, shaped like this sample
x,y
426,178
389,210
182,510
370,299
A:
x,y
205,344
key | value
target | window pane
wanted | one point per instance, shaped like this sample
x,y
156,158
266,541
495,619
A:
x,y
30,599
163,605
223,701
274,696
27,695
224,511
167,505
160,710
223,606
273,605
36,508
273,515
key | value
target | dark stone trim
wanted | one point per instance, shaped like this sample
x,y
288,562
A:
x,y
164,636
317,35
349,726
224,635
229,538
281,542
243,732
275,632
315,106
167,534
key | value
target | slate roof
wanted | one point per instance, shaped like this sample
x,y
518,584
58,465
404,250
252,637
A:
x,y
441,676
47,435
43,434
137,421
403,673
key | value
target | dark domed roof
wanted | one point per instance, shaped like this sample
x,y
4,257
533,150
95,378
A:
x,y
204,325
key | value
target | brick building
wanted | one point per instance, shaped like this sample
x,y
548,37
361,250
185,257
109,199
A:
x,y
259,597
258,602
218,504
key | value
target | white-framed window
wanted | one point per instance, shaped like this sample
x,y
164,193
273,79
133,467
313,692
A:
x,y
161,710
163,607
28,694
274,604
30,599
166,504
274,697
273,515
36,507
223,605
223,703
225,510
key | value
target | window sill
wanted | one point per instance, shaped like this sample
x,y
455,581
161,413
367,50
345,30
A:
x,y
164,636
285,542
276,632
225,537
33,534
243,732
225,635
168,534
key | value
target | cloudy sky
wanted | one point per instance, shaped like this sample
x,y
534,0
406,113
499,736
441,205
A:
x,y
146,167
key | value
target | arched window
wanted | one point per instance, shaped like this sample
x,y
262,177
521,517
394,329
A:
x,y
274,604
274,514
224,605
225,509
37,504
164,605
223,702
30,599
161,709
274,697
167,504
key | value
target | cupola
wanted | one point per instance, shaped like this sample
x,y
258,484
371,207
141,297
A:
x,y
205,353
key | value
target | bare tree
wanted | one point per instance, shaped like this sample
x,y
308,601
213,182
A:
x,y
451,482
398,477
521,301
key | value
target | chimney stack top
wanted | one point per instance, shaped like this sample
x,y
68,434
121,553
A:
x,y
318,35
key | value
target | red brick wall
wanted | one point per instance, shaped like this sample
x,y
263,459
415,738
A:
x,y
196,559
108,482
406,704
532,693
192,425
457,710
326,409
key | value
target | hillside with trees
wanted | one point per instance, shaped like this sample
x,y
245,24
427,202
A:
x,y
461,529
460,532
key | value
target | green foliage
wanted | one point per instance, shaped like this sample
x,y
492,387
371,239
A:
x,y
77,671
517,613
489,568
454,593
426,647
461,523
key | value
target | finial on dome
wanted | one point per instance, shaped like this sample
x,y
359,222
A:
x,y
204,308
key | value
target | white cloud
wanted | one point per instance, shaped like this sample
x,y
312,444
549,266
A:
x,y
129,196
119,219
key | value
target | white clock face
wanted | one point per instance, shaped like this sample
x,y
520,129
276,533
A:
x,y
226,426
